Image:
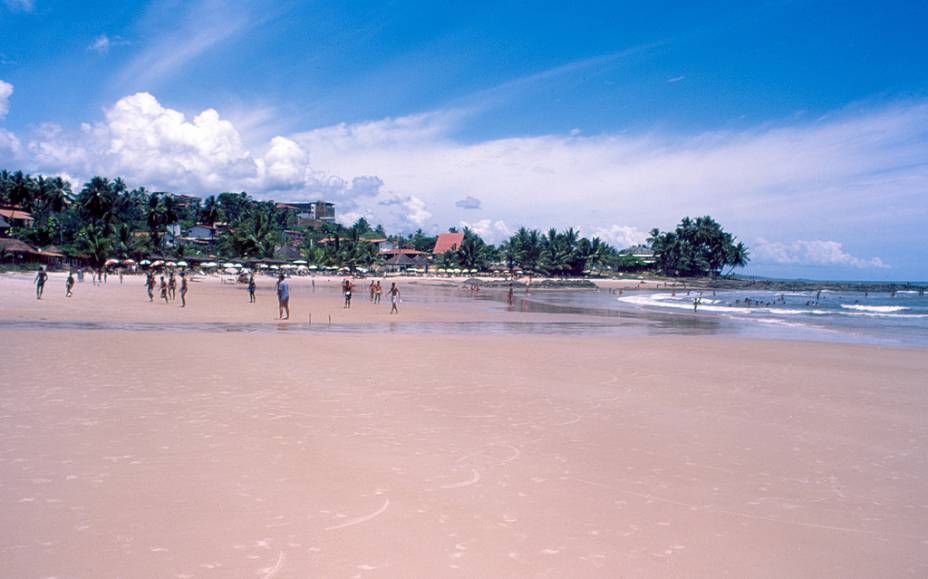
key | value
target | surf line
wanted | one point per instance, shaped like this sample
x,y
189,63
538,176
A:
x,y
363,519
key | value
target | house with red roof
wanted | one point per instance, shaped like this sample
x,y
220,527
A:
x,y
447,242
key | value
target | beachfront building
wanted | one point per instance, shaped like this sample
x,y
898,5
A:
x,y
399,260
19,252
447,242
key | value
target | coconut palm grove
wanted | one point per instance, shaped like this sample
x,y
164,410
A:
x,y
108,220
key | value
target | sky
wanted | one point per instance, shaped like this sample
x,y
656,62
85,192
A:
x,y
801,126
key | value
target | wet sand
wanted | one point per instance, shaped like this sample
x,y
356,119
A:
x,y
198,454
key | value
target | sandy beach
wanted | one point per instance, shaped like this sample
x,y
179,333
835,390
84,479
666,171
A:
x,y
285,454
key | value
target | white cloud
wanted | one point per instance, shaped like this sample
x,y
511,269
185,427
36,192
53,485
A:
x,y
816,252
6,89
179,33
20,5
621,236
100,45
491,231
103,43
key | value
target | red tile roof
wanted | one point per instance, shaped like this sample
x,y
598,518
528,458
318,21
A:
x,y
448,242
16,214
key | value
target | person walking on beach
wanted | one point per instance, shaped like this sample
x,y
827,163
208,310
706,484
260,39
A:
x,y
172,287
120,275
40,278
509,294
69,284
373,288
149,285
394,298
695,304
164,290
283,297
377,292
251,288
183,290
346,287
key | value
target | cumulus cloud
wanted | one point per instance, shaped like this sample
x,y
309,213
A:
x,y
621,236
6,89
468,202
491,231
816,252
149,144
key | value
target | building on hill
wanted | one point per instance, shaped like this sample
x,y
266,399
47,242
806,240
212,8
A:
x,y
312,214
16,217
447,242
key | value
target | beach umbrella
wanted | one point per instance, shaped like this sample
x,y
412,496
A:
x,y
231,270
170,264
456,270
210,264
262,266
111,262
238,265
144,262
128,261
158,263
182,264
301,268
227,264
313,267
300,262
275,267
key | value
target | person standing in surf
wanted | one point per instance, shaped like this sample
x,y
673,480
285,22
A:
x,y
251,288
347,286
150,285
283,297
69,285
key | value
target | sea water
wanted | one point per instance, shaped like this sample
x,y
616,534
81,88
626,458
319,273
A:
x,y
899,318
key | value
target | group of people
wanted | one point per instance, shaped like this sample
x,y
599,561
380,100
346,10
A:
x,y
41,278
168,290
168,287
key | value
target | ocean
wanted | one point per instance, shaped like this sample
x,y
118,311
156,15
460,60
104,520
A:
x,y
899,318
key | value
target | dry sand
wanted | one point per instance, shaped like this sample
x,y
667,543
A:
x,y
275,454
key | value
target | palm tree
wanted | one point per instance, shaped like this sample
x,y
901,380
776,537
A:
x,y
97,199
738,256
93,240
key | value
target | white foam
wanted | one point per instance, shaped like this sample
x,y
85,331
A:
x,y
874,309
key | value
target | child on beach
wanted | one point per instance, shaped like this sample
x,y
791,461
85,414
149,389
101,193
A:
x,y
251,288
394,298
40,279
183,290
69,284
283,297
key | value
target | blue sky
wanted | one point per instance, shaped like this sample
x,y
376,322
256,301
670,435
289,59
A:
x,y
801,126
